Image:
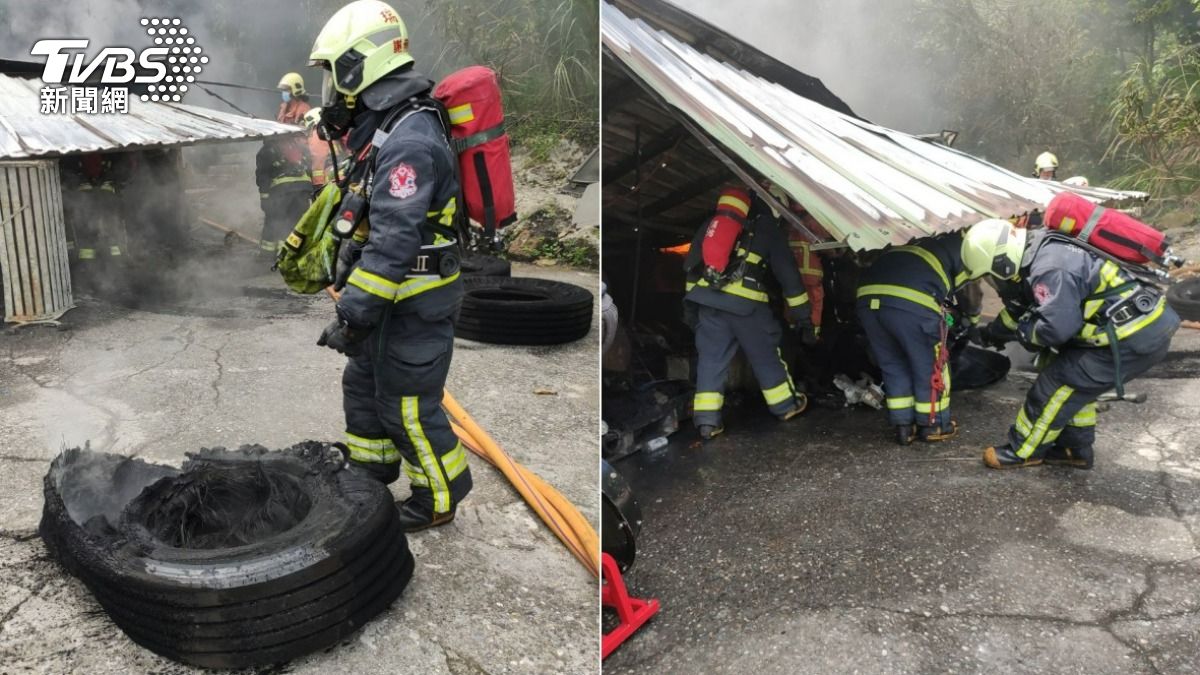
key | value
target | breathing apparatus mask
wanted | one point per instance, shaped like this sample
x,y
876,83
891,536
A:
x,y
337,110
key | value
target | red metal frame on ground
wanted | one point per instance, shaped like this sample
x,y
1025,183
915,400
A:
x,y
631,611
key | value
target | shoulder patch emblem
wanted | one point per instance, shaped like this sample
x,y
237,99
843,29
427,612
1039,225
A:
x,y
1041,292
402,181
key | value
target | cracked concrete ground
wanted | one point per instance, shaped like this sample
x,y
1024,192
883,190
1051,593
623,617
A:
x,y
494,592
820,547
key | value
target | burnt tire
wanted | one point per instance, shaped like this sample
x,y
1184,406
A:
x,y
186,573
482,265
1184,298
523,311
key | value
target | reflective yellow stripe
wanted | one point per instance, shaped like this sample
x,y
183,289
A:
x,y
797,300
778,394
372,450
961,279
734,203
374,284
415,475
290,179
268,245
1024,427
974,319
708,401
410,414
1007,320
753,258
87,254
1086,417
455,461
412,287
742,292
901,403
1099,338
1040,428
690,285
931,259
923,299
114,250
461,114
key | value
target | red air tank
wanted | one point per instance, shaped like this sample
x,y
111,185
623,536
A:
x,y
726,225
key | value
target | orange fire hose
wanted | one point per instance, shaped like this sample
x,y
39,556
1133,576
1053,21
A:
x,y
559,514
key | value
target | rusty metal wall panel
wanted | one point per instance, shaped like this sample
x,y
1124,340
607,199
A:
x,y
34,272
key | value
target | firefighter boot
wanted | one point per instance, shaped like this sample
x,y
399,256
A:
x,y
416,512
939,433
1003,457
800,406
1080,458
905,433
709,431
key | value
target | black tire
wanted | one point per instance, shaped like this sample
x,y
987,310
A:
x,y
482,265
1184,298
322,554
523,311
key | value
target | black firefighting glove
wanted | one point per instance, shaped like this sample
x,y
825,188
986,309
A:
x,y
810,335
1025,335
343,338
975,335
799,318
348,256
995,335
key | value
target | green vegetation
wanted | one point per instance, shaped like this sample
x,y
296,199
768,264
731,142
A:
x,y
1110,86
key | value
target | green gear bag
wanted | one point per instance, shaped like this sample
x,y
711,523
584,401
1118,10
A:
x,y
307,258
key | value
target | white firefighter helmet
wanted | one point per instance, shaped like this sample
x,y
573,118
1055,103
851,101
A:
x,y
361,43
993,247
1046,161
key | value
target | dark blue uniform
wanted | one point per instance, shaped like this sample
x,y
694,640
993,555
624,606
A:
x,y
900,305
393,388
737,314
1078,306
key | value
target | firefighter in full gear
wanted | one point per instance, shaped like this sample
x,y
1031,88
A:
x,y
1094,323
732,310
812,270
903,299
295,100
1045,166
92,186
400,267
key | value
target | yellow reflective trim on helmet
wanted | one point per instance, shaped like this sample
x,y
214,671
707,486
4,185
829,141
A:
x,y
461,114
734,203
923,299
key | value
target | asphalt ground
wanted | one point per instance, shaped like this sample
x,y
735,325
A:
x,y
819,546
493,592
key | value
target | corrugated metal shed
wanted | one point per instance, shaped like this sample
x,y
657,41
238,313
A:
x,y
26,133
869,186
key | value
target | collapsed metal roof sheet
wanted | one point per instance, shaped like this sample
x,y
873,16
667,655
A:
x,y
869,186
26,133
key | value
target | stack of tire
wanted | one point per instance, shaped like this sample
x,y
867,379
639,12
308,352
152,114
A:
x,y
1184,297
242,558
501,309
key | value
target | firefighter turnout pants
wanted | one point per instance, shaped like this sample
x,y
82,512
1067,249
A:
x,y
392,395
1060,408
718,336
906,345
283,207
